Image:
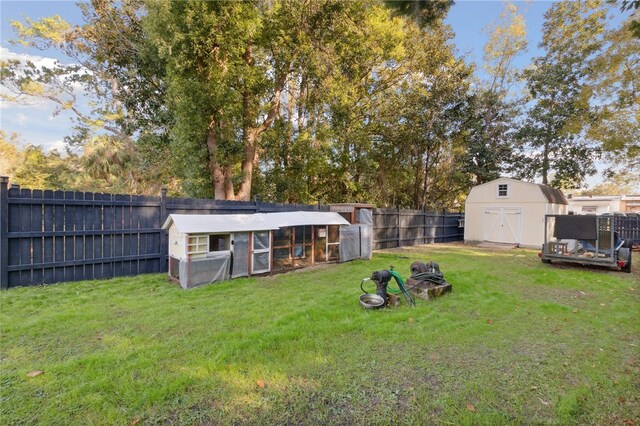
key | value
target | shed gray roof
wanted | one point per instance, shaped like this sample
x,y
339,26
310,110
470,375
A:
x,y
553,195
219,223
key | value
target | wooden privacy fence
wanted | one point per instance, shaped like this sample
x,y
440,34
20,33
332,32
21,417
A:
x,y
56,236
629,228
397,228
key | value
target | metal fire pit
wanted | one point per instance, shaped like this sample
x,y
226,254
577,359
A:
x,y
371,301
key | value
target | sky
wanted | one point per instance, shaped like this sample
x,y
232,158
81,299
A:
x,y
37,125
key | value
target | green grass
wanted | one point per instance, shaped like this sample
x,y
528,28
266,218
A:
x,y
516,342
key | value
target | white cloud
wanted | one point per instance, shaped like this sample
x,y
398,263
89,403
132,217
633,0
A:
x,y
39,61
58,144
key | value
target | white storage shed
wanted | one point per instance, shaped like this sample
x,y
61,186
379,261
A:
x,y
510,211
208,248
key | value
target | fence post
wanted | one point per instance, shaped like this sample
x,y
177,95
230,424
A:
x,y
164,241
398,225
4,229
424,225
256,201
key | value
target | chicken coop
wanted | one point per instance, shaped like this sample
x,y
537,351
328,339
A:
x,y
208,248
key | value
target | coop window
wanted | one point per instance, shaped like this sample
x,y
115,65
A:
x,y
197,244
219,242
503,190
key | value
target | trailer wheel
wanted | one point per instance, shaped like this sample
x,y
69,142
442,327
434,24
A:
x,y
627,268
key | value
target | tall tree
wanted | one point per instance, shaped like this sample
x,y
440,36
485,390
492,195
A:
x,y
112,84
553,144
494,107
230,64
11,156
615,79
420,127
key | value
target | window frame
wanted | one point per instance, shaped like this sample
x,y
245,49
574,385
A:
x,y
506,190
198,244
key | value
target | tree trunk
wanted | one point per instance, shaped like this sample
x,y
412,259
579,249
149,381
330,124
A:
x,y
251,132
250,158
215,170
545,162
228,183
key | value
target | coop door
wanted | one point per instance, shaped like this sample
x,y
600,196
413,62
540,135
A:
x,y
261,256
240,249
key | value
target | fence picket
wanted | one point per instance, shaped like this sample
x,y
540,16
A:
x,y
36,241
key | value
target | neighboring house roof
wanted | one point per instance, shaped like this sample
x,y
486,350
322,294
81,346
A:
x,y
216,223
553,195
596,198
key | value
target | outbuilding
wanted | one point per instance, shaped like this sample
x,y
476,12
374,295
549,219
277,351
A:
x,y
208,248
596,204
510,211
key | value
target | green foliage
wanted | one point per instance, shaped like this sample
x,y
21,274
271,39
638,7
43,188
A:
x,y
614,80
44,170
343,133
10,155
517,342
493,109
619,184
634,23
420,131
552,138
111,65
424,12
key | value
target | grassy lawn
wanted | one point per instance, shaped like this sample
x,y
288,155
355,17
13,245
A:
x,y
516,342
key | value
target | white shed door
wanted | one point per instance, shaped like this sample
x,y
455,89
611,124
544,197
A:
x,y
503,224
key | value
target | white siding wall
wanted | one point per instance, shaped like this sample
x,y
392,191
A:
x,y
602,206
527,197
176,243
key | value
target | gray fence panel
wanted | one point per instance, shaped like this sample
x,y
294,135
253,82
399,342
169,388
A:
x,y
399,228
56,236
629,229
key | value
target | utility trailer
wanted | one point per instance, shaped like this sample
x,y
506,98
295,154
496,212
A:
x,y
588,240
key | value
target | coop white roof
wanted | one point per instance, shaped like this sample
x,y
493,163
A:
x,y
213,223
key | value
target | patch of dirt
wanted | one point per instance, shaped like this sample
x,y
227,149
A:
x,y
569,297
316,267
432,381
596,269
